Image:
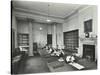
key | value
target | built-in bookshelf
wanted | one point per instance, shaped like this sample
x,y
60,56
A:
x,y
71,39
23,39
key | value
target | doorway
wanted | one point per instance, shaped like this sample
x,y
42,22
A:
x,y
49,39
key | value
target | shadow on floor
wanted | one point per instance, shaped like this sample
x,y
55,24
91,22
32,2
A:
x,y
38,64
33,65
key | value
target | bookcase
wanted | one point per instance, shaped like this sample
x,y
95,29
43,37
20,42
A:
x,y
23,39
71,39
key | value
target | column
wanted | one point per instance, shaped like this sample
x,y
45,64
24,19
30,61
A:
x,y
30,21
54,36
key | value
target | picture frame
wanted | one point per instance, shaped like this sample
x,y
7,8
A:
x,y
88,26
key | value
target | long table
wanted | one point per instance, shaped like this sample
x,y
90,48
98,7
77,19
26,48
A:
x,y
57,66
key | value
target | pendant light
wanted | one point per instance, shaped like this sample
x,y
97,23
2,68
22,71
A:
x,y
48,20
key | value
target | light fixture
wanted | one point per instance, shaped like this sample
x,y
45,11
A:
x,y
48,20
40,28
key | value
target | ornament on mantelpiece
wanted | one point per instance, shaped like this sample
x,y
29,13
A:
x,y
82,37
87,34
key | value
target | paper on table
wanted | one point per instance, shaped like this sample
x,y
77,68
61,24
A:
x,y
76,65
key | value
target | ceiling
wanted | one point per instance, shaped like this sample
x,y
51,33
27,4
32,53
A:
x,y
56,10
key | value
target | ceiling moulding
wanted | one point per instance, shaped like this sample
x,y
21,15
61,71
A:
x,y
86,7
35,13
23,16
25,19
76,11
38,18
71,14
49,23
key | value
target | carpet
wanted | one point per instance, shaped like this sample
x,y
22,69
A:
x,y
57,66
34,65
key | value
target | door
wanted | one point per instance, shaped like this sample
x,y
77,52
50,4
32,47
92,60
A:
x,y
49,38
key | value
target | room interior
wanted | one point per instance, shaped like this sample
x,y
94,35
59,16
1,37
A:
x,y
69,27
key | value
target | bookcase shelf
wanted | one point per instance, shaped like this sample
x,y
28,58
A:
x,y
23,39
71,39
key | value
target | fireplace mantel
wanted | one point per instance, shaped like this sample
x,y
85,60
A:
x,y
89,41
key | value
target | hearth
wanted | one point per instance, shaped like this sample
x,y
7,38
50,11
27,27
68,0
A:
x,y
89,52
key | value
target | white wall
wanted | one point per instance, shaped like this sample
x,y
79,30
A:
x,y
76,21
40,36
14,27
23,26
87,13
71,23
60,35
49,30
57,35
33,29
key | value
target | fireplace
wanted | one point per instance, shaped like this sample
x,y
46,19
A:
x,y
89,52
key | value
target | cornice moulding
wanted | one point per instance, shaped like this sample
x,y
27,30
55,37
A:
x,y
35,13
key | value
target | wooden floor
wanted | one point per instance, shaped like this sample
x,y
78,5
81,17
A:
x,y
39,64
33,65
